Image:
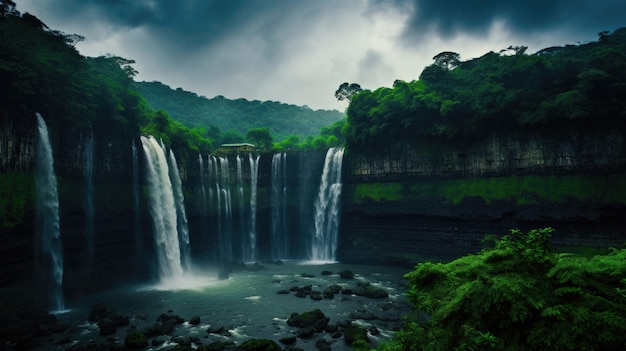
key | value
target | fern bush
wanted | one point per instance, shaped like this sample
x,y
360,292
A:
x,y
518,295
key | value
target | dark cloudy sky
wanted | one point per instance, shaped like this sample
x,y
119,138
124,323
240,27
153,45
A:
x,y
300,51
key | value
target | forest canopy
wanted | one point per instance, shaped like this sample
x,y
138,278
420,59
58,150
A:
x,y
555,90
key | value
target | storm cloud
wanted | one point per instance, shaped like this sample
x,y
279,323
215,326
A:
x,y
299,51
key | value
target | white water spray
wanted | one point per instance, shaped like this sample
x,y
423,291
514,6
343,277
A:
x,y
47,219
250,246
280,242
324,241
181,215
162,210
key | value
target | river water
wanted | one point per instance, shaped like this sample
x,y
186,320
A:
x,y
247,305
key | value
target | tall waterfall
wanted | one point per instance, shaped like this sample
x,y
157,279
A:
x,y
89,209
324,241
249,245
280,242
202,178
181,215
225,213
49,248
240,193
162,209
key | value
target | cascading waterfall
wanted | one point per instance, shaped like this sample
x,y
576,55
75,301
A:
x,y
49,247
224,197
89,208
240,192
249,249
202,176
324,241
181,215
162,209
280,242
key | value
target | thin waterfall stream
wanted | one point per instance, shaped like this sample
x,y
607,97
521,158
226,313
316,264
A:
x,y
48,233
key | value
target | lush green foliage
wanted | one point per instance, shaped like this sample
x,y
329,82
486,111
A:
x,y
41,71
556,90
238,115
518,295
515,189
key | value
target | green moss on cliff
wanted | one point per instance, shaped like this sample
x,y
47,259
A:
x,y
521,190
378,192
17,196
533,189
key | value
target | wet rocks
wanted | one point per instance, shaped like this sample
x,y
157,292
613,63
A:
x,y
367,290
135,340
107,319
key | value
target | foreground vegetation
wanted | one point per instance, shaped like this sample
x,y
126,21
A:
x,y
518,295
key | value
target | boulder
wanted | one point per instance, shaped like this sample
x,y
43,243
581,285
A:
x,y
353,333
367,290
135,340
194,320
288,340
259,345
314,318
346,274
107,326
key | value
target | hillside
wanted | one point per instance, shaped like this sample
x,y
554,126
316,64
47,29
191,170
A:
x,y
238,115
575,88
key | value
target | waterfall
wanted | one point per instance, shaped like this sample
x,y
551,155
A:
x,y
324,241
280,243
226,216
240,192
49,247
249,249
181,215
89,209
202,177
162,209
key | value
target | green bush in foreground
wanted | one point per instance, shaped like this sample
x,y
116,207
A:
x,y
518,295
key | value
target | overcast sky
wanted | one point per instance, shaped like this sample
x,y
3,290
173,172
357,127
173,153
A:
x,y
300,51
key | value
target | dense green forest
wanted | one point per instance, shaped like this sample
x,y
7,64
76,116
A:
x,y
41,71
556,90
229,117
517,295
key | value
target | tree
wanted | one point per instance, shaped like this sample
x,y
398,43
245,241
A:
x,y
447,60
261,136
346,91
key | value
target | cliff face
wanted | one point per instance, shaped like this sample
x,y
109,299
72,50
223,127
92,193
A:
x,y
398,208
419,204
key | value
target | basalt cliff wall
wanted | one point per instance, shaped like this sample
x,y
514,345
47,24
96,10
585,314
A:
x,y
398,207
411,205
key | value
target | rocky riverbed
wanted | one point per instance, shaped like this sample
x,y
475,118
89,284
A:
x,y
293,305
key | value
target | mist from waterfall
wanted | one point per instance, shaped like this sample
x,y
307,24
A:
x,y
162,209
324,240
249,245
49,248
181,215
280,242
89,207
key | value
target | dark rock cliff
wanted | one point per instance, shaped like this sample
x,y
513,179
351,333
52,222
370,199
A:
x,y
411,205
399,208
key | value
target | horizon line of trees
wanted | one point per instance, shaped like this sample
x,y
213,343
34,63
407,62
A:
x,y
556,90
